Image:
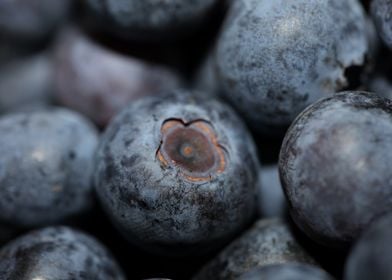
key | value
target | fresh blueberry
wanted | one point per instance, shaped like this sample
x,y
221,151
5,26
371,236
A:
x,y
150,19
25,22
276,57
26,84
57,253
381,12
371,255
98,82
45,167
177,173
287,271
271,201
335,166
267,242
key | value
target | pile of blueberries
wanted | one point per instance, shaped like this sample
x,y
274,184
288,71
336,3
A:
x,y
195,139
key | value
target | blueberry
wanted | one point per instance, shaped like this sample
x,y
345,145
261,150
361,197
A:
x,y
25,22
177,173
271,200
381,12
335,166
57,253
288,271
150,19
267,242
371,255
276,57
26,83
46,166
98,82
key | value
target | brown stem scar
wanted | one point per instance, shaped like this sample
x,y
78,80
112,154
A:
x,y
192,148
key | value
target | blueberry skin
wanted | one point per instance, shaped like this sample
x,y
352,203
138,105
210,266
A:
x,y
26,83
150,20
59,253
46,166
381,13
157,207
24,22
334,166
276,57
99,82
288,271
267,242
371,255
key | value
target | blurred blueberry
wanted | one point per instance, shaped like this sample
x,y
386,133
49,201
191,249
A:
x,y
45,167
99,82
26,83
371,255
57,253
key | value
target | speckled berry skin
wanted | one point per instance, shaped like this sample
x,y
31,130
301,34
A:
x,y
276,57
267,242
99,82
369,258
381,11
288,271
150,19
334,166
57,253
30,21
160,208
46,166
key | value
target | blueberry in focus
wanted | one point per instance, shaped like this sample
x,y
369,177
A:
x,y
177,173
57,253
274,58
287,271
335,166
46,166
267,242
149,19
371,255
99,82
381,12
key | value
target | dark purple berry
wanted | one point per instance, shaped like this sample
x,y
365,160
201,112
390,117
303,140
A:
x,y
24,22
371,255
267,242
178,173
26,84
150,19
57,253
335,166
276,57
381,11
46,166
99,82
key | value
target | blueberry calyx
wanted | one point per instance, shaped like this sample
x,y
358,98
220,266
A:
x,y
192,148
